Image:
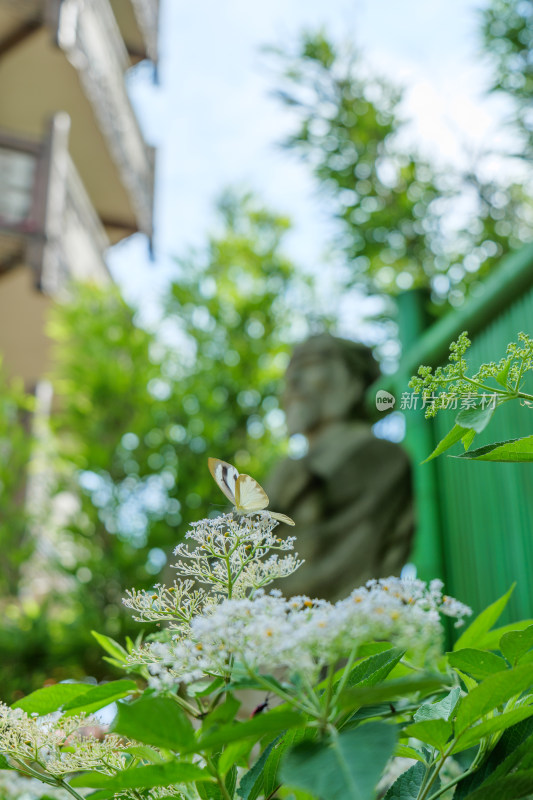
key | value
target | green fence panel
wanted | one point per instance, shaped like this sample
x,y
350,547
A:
x,y
486,510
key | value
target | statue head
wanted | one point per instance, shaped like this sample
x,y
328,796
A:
x,y
326,381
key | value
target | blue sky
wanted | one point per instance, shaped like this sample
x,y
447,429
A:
x,y
215,125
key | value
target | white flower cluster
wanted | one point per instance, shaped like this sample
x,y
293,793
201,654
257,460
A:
x,y
57,745
267,632
231,552
230,558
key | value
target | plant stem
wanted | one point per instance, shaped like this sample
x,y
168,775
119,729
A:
x,y
216,774
435,775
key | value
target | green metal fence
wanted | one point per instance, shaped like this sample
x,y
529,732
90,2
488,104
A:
x,y
475,520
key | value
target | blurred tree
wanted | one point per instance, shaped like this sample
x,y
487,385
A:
x,y
507,39
16,440
137,414
397,214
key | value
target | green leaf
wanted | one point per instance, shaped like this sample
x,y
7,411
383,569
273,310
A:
x,y
512,787
478,663
375,668
513,744
271,777
234,754
391,690
491,639
468,438
503,374
453,436
223,713
475,419
4,763
407,786
52,698
144,777
492,692
203,688
348,768
516,644
145,753
443,709
110,646
251,781
483,623
271,722
155,720
100,696
493,725
434,732
514,450
406,751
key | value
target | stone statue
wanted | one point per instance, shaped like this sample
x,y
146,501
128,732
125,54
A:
x,y
350,495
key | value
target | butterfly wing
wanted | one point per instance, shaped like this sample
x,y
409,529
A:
x,y
225,476
249,495
282,517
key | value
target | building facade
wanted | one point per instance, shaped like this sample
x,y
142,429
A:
x,y
76,174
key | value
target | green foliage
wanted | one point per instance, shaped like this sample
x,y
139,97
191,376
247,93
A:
x,y
483,724
394,211
16,442
443,388
329,769
135,410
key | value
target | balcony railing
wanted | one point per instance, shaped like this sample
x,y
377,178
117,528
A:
x,y
45,212
88,34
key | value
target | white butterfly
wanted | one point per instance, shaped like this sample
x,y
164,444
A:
x,y
242,490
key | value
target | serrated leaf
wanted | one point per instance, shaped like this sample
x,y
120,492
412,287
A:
x,y
52,698
144,777
512,450
452,437
493,725
434,732
348,768
514,743
407,786
492,692
100,696
476,418
374,669
155,720
270,772
251,781
512,787
478,663
483,623
516,644
443,709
